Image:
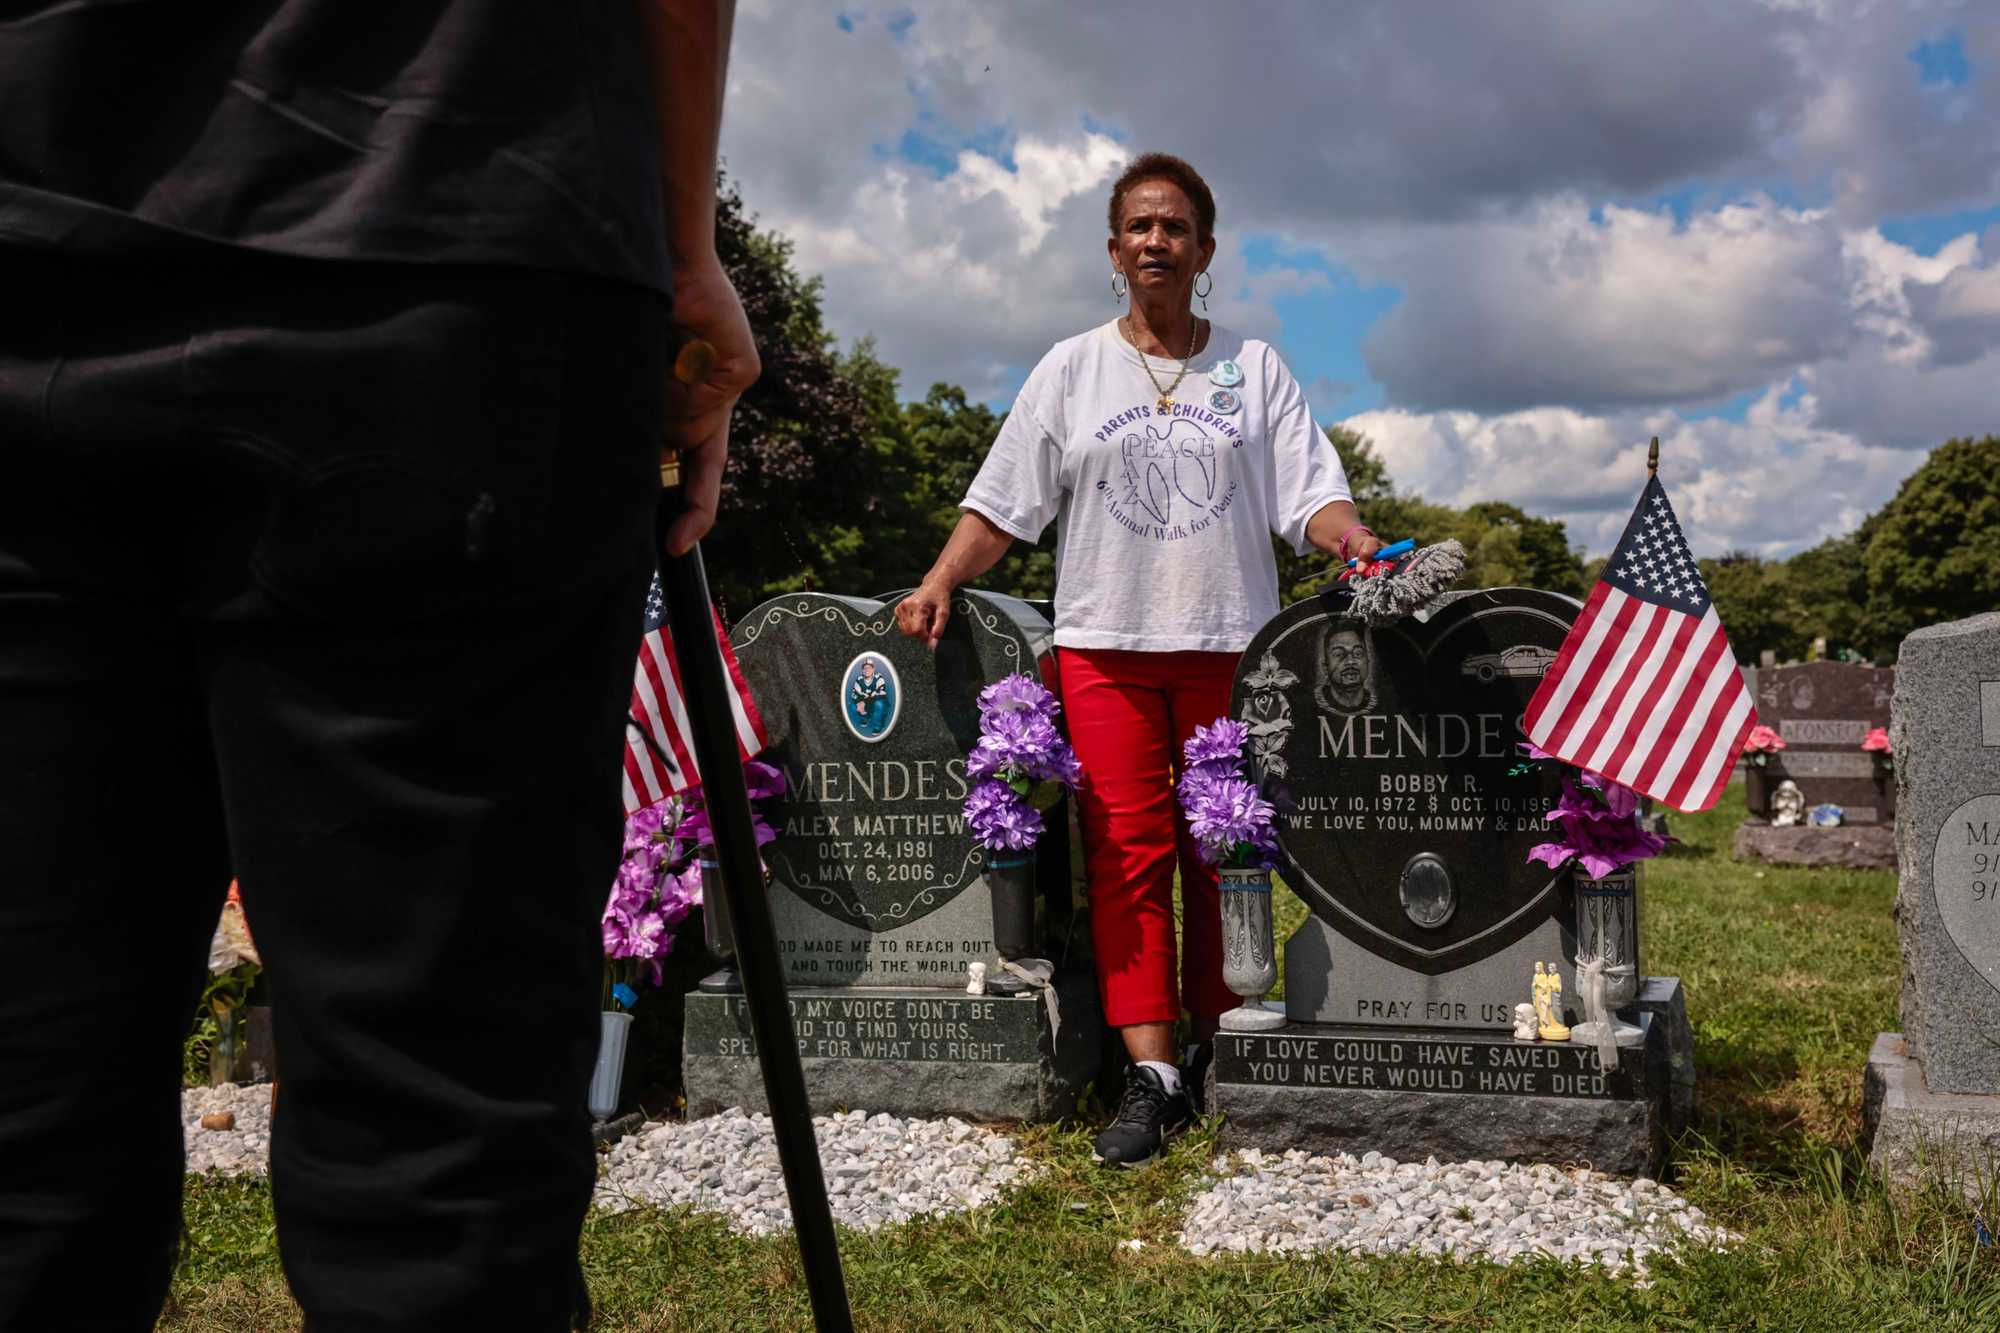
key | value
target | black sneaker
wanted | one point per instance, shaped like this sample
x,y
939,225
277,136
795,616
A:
x,y
1147,1113
1194,1075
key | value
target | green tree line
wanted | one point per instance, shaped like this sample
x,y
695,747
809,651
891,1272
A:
x,y
836,484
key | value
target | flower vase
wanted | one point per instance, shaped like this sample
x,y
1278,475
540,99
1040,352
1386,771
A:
x,y
717,932
1010,879
612,1029
1607,957
1249,950
1756,790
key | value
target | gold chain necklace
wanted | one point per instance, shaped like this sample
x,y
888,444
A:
x,y
1166,391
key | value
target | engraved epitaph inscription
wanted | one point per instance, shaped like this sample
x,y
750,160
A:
x,y
1965,880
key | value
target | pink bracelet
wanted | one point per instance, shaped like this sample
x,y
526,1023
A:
x,y
1358,527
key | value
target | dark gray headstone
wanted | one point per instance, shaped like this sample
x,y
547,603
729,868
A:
x,y
1823,711
875,878
1389,749
1409,812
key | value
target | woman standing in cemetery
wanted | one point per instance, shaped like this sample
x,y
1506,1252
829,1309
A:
x,y
1168,449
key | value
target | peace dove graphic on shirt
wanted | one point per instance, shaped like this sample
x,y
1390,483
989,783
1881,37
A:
x,y
1161,462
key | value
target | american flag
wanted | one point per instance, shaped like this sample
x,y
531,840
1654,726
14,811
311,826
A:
x,y
1645,690
659,748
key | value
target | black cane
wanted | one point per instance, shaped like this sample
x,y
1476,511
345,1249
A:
x,y
685,584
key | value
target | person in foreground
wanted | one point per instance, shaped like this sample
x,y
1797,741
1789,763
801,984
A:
x,y
334,371
1168,450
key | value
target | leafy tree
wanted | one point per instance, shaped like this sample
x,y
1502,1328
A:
x,y
1754,600
1933,552
1826,588
1504,546
1540,549
796,494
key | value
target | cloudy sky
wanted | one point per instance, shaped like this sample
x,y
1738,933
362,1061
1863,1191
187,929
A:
x,y
1508,241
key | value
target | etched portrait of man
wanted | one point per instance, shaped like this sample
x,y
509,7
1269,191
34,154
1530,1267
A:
x,y
1346,661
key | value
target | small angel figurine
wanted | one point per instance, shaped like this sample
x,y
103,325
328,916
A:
x,y
975,979
1524,1022
1548,995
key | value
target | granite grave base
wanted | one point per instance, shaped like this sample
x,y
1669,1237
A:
x,y
1460,1094
908,1050
1853,846
1921,1139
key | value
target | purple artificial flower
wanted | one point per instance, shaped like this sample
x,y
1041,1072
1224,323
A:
x,y
1063,767
1000,819
634,936
1536,752
1019,744
644,826
1225,812
763,780
1600,835
1018,693
1219,742
680,893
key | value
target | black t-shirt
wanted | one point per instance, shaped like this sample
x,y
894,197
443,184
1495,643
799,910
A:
x,y
445,131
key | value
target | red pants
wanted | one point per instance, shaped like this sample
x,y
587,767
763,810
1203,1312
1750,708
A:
x,y
1128,714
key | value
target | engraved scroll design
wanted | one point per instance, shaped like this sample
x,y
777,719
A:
x,y
895,913
830,612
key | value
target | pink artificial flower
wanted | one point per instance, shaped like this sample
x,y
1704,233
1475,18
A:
x,y
1876,741
1763,739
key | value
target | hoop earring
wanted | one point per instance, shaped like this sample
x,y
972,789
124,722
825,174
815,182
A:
x,y
1201,293
1118,285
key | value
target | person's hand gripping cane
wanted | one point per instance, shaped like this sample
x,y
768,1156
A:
x,y
712,369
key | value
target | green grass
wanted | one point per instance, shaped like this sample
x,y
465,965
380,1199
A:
x,y
1789,973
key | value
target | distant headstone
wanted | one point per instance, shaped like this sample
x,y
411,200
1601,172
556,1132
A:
x,y
877,886
1932,1094
1392,751
1823,711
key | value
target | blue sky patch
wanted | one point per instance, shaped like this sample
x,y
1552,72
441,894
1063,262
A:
x,y
1929,234
1941,61
1323,328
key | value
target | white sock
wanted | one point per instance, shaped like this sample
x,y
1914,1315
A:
x,y
1169,1075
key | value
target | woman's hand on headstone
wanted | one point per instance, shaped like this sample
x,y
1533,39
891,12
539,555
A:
x,y
922,614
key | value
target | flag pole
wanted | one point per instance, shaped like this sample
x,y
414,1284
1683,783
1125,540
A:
x,y
1653,458
684,582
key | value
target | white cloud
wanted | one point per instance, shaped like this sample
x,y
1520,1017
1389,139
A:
x,y
1771,484
1552,306
1487,168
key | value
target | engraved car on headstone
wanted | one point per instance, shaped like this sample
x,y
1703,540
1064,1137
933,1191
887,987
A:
x,y
1523,659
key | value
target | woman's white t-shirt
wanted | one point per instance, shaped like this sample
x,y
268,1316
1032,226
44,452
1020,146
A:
x,y
1163,521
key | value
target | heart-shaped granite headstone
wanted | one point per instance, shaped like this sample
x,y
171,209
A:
x,y
872,730
1389,750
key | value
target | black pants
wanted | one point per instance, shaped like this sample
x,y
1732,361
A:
x,y
328,576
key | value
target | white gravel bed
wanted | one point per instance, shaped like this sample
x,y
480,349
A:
x,y
242,1149
1271,1203
880,1169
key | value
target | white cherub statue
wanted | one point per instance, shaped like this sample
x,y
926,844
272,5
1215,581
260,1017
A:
x,y
1524,1022
1788,805
975,979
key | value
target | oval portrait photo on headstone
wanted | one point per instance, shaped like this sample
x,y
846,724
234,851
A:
x,y
871,696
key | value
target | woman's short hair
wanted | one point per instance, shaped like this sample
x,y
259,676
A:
x,y
1165,166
